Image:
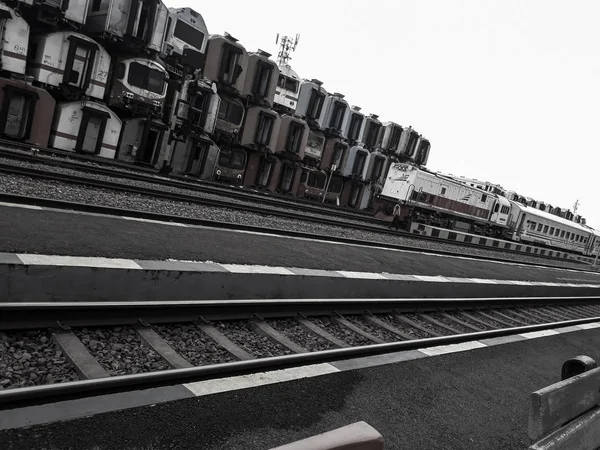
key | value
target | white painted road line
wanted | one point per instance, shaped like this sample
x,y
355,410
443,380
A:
x,y
259,379
256,269
452,348
176,265
78,261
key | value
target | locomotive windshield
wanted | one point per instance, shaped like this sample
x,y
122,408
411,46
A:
x,y
144,77
188,34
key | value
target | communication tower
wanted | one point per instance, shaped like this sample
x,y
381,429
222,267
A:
x,y
286,47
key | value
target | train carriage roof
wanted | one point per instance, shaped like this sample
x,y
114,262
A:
x,y
551,217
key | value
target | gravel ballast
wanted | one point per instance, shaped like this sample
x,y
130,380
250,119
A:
x,y
31,358
191,343
340,332
55,190
120,350
291,329
242,333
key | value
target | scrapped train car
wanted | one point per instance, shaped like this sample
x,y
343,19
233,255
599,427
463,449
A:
x,y
336,110
71,63
432,198
311,103
290,147
56,12
392,133
259,135
261,79
354,126
226,63
15,41
139,86
185,39
141,141
191,150
90,128
132,24
287,90
26,112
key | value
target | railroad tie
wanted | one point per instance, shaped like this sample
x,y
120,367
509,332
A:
x,y
162,347
315,329
223,341
357,330
276,337
85,364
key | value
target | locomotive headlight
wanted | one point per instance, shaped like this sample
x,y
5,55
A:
x,y
219,172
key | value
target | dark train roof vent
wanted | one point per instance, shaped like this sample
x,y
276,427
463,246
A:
x,y
317,82
337,94
355,108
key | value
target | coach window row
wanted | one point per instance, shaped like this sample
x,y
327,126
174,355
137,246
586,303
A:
x,y
556,232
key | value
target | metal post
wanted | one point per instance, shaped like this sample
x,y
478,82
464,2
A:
x,y
596,260
333,167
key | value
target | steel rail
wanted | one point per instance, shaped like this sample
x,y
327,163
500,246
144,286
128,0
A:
x,y
182,182
120,212
28,315
19,397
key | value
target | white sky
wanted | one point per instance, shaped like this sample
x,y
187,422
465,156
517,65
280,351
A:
x,y
507,91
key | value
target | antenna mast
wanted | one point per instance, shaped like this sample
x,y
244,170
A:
x,y
575,207
286,47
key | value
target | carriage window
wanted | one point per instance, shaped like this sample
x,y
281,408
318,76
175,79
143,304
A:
x,y
540,226
96,5
497,207
230,69
80,59
359,163
264,129
373,134
144,77
335,186
231,111
285,183
355,124
395,140
338,155
262,79
337,117
484,197
551,231
412,143
315,105
562,233
316,180
546,228
557,232
188,34
568,236
532,225
294,138
378,169
288,83
232,158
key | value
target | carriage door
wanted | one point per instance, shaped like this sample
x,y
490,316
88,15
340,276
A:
x,y
91,131
80,61
265,173
285,183
17,113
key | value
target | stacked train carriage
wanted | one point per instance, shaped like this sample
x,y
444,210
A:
x,y
135,81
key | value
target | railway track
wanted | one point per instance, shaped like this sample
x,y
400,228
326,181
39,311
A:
x,y
183,182
114,347
378,228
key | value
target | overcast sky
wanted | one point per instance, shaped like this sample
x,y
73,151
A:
x,y
507,91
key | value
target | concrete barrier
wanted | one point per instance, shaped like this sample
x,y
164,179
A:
x,y
98,279
566,415
357,436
